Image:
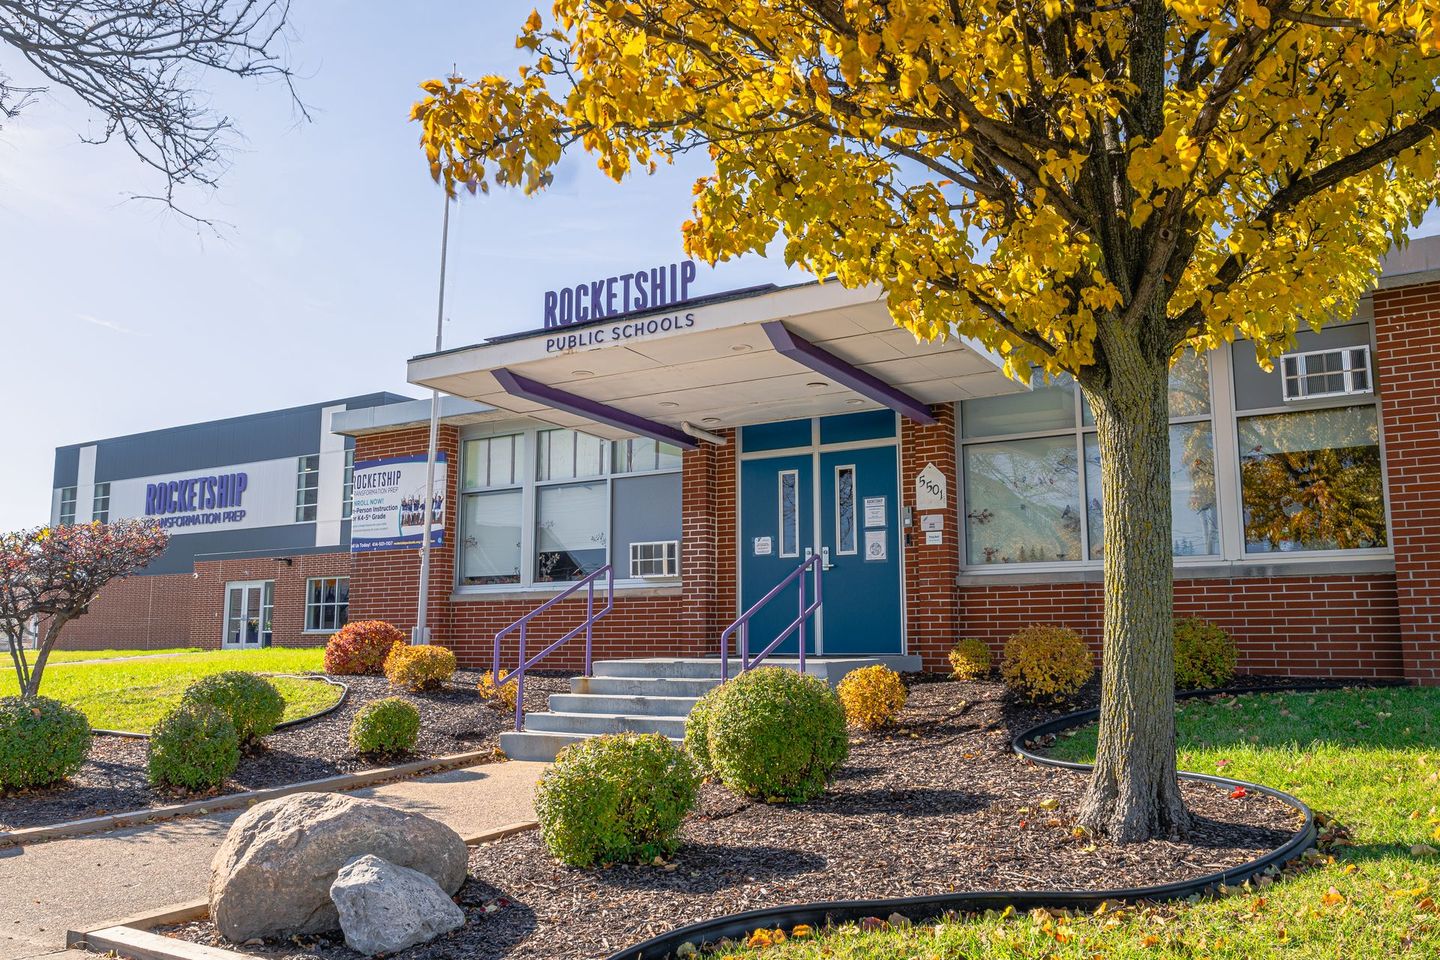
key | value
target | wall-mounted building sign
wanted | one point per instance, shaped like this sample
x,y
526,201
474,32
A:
x,y
389,506
652,289
931,489
197,501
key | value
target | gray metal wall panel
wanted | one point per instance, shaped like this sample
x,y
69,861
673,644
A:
x,y
67,467
645,509
180,556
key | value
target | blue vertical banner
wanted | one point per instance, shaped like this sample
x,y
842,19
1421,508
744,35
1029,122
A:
x,y
388,512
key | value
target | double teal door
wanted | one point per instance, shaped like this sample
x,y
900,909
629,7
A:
x,y
827,487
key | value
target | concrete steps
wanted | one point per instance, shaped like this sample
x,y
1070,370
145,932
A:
x,y
647,696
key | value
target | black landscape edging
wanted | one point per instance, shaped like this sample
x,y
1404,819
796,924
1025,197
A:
x,y
739,925
344,693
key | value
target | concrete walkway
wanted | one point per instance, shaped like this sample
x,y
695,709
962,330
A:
x,y
48,888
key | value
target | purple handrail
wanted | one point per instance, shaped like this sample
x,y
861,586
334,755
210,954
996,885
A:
x,y
742,624
523,625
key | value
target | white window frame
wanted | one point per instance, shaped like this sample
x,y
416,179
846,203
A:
x,y
1224,430
669,559
347,494
1346,373
526,472
303,476
100,502
336,604
69,499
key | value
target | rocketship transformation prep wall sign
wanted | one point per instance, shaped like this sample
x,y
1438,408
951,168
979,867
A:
x,y
389,504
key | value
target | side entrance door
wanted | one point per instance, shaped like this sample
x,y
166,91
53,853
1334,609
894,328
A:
x,y
247,615
840,500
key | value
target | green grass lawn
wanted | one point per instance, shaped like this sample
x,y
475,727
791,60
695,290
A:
x,y
1370,759
80,656
133,694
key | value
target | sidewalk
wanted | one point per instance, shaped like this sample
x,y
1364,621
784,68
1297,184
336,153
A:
x,y
48,888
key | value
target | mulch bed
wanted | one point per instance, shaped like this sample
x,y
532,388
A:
x,y
113,779
937,805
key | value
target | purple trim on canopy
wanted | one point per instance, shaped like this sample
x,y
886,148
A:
x,y
846,374
527,389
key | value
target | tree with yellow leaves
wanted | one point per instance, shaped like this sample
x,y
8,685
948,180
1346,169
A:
x,y
1091,187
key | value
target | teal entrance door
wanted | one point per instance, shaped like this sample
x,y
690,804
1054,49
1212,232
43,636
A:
x,y
827,486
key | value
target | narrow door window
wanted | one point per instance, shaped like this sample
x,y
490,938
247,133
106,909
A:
x,y
789,513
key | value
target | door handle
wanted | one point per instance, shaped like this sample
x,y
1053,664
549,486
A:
x,y
825,563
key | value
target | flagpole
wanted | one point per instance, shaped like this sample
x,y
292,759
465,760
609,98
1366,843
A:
x,y
421,634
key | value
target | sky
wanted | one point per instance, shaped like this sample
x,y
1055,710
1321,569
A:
x,y
117,316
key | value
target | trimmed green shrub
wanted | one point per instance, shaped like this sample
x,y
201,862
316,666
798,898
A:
x,y
360,648
1205,654
384,727
616,797
777,735
194,747
697,732
1046,664
42,741
252,703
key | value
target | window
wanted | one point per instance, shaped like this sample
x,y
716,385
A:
x,y
347,501
789,513
1325,373
845,536
1285,460
658,559
307,488
67,506
100,503
548,505
1031,469
327,603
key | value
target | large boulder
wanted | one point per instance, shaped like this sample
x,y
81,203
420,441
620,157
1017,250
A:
x,y
272,876
384,908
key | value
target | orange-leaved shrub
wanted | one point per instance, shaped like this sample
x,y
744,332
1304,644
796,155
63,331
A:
x,y
501,697
1046,664
872,696
970,660
361,648
419,668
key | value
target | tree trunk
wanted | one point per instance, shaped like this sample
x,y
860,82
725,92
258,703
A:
x,y
1133,794
42,655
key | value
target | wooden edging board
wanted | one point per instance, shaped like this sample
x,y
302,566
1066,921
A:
x,y
132,937
233,801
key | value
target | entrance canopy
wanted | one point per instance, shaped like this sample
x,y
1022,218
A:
x,y
752,356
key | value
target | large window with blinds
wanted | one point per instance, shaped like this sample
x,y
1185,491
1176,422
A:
x,y
544,505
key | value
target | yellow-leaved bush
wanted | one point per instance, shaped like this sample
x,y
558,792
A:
x,y
502,697
872,696
1046,664
419,668
1205,654
970,660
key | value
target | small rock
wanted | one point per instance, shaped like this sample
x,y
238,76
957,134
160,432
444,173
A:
x,y
385,909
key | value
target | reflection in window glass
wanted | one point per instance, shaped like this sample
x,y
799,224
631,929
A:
x,y
1022,501
639,454
789,513
1194,524
571,524
489,462
490,538
569,455
1311,481
1189,393
845,510
1046,406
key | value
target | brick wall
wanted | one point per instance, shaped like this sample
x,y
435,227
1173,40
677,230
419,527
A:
x,y
932,608
1314,626
138,613
287,622
1407,336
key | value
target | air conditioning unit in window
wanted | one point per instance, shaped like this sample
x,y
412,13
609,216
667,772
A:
x,y
655,560
1326,373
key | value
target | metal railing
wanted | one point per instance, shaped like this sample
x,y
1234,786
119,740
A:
x,y
742,624
523,625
